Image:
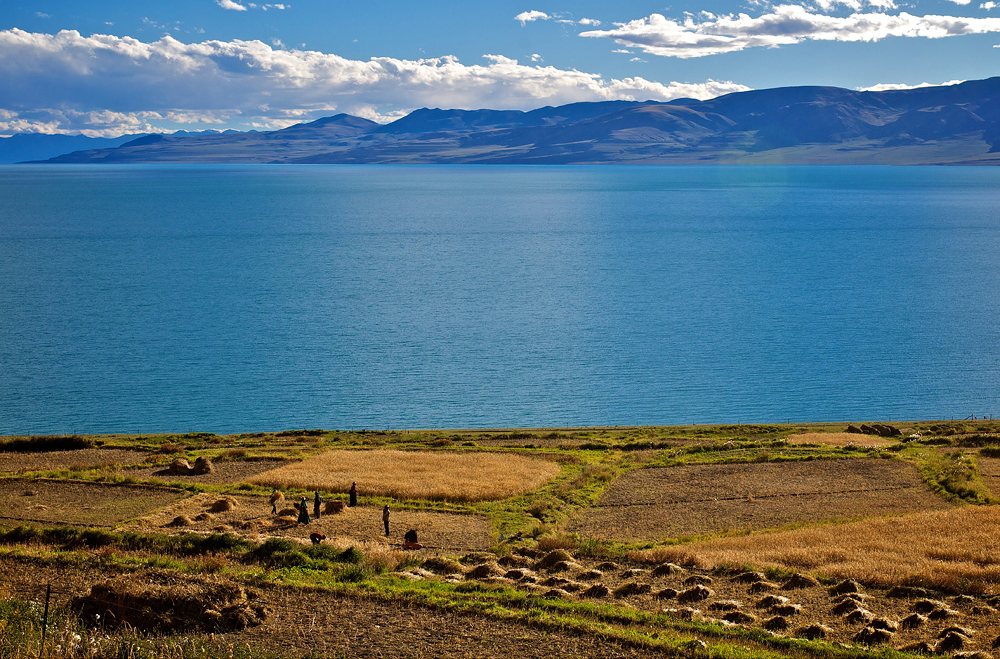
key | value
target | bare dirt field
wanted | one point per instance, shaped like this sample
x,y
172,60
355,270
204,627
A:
x,y
78,503
251,517
839,439
84,458
655,504
225,472
989,469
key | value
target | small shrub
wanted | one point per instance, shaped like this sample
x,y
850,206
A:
x,y
168,447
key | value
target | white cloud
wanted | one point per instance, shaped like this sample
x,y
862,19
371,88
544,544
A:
x,y
67,82
989,5
961,2
785,25
41,14
533,15
589,21
229,4
535,57
892,86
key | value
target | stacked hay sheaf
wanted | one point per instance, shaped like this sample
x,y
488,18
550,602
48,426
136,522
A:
x,y
223,505
157,601
181,467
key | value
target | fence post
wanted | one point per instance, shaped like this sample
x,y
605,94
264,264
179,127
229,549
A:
x,y
45,616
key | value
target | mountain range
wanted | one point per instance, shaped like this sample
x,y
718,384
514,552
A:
x,y
955,124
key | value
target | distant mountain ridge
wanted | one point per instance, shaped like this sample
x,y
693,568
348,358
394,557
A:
x,y
957,124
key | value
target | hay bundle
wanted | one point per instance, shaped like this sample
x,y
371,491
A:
x,y
553,557
631,588
739,618
180,467
334,507
157,601
204,517
276,498
597,590
695,594
223,505
288,512
442,565
203,465
872,636
484,571
181,520
800,581
775,624
667,569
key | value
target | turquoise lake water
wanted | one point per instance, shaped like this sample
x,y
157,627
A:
x,y
250,298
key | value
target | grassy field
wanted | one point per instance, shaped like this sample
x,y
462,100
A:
x,y
694,541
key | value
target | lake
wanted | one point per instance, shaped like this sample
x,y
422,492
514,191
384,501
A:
x,y
257,298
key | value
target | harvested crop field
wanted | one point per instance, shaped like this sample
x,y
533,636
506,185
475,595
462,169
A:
x,y
942,548
344,626
436,476
655,504
224,472
87,458
251,517
840,439
76,503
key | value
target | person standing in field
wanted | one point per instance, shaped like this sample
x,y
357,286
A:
x,y
353,492
304,511
385,519
316,501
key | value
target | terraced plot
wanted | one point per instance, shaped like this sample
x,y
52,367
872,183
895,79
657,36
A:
x,y
656,504
85,504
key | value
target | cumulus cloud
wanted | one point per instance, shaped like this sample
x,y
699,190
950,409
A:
x,y
893,86
784,25
229,4
989,5
589,21
67,82
533,15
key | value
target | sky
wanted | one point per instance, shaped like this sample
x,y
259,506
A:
x,y
104,68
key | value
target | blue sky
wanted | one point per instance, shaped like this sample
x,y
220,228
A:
x,y
112,67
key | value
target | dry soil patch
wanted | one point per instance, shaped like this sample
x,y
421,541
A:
x,y
85,504
83,458
654,504
252,518
989,469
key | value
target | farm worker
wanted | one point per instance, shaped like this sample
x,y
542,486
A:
x,y
354,494
304,511
410,540
385,519
316,501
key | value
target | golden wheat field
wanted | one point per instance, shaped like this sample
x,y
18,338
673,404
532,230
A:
x,y
940,549
437,476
